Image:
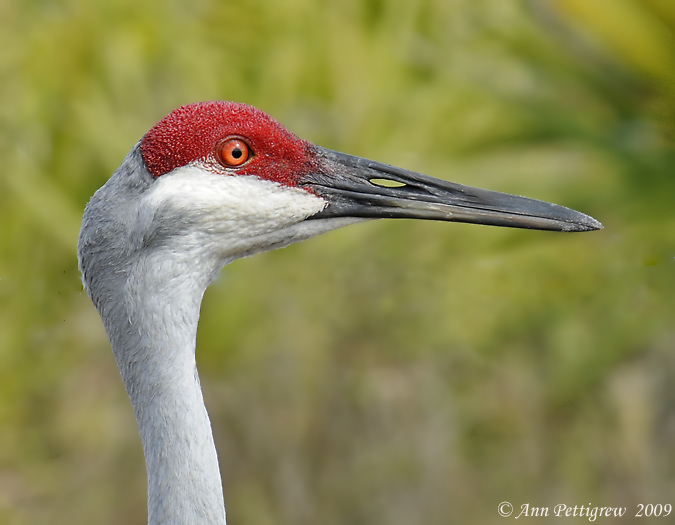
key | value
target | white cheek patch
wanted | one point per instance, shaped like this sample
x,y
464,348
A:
x,y
247,203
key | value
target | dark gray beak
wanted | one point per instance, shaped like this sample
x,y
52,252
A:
x,y
358,187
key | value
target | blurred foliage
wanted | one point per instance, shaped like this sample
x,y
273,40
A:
x,y
393,372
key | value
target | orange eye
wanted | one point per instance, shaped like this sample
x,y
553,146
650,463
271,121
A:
x,y
233,152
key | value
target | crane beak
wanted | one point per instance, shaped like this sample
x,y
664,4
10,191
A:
x,y
358,187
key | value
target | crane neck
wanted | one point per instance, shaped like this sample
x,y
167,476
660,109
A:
x,y
155,352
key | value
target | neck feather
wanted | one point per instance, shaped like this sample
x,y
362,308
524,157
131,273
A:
x,y
155,352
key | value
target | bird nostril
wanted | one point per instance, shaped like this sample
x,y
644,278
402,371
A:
x,y
387,183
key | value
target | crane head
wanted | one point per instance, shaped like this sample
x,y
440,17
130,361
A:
x,y
228,179
234,140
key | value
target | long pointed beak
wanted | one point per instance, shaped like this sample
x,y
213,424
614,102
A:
x,y
358,187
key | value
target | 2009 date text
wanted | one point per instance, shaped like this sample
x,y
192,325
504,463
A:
x,y
650,510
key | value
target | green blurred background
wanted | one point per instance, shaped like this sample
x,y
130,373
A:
x,y
393,372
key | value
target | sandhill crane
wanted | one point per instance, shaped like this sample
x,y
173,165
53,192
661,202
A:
x,y
210,183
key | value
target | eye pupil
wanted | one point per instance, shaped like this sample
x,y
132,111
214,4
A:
x,y
237,153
